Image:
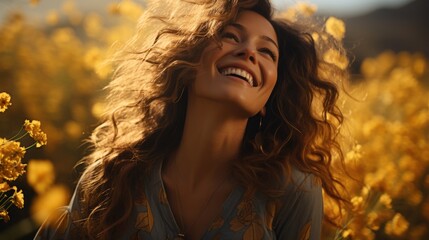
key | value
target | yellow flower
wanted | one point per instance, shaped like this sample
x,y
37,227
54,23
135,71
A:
x,y
4,187
18,199
348,233
335,27
334,57
114,9
92,57
358,203
373,221
34,2
93,25
10,160
4,215
130,10
4,101
386,200
306,9
40,175
97,109
397,226
52,18
63,36
48,202
300,9
289,15
33,128
355,153
419,65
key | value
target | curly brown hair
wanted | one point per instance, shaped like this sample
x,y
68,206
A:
x,y
147,104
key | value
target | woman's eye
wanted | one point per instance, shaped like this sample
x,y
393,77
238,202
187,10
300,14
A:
x,y
269,53
231,36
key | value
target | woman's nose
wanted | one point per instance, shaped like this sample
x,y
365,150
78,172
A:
x,y
246,52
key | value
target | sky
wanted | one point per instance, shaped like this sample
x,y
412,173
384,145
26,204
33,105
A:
x,y
341,8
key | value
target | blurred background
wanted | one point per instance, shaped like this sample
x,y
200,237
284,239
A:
x,y
51,63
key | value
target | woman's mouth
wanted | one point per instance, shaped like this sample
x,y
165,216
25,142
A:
x,y
239,73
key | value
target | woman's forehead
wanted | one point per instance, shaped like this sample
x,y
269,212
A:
x,y
254,23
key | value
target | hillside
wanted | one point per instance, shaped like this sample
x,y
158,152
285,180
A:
x,y
398,29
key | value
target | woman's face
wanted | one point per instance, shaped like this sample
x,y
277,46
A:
x,y
241,72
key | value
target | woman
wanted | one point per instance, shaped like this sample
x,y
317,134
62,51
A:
x,y
211,132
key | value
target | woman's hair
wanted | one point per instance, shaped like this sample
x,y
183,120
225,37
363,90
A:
x,y
147,104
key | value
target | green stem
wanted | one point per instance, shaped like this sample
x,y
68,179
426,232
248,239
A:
x,y
10,204
1,200
338,233
21,137
16,135
32,145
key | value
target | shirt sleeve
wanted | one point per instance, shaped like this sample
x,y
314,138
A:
x,y
300,212
61,223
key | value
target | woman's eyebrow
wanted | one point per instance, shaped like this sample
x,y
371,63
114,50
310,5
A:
x,y
242,28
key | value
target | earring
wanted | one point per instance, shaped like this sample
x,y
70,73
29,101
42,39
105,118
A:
x,y
258,137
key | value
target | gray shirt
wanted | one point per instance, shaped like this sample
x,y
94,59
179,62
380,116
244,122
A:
x,y
296,215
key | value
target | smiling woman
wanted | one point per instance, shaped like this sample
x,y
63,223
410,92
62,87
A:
x,y
212,131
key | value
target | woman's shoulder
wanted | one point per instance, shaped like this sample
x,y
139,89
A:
x,y
301,192
299,189
302,181
298,211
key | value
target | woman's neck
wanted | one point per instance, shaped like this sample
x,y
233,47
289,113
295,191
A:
x,y
211,139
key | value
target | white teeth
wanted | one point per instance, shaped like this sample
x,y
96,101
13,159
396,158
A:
x,y
240,72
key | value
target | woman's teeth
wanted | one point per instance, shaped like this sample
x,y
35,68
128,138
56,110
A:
x,y
238,72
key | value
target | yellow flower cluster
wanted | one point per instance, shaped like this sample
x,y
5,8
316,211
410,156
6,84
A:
x,y
33,128
47,203
11,154
17,199
41,175
70,67
333,31
51,196
298,10
334,57
397,226
11,166
391,157
4,101
335,27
